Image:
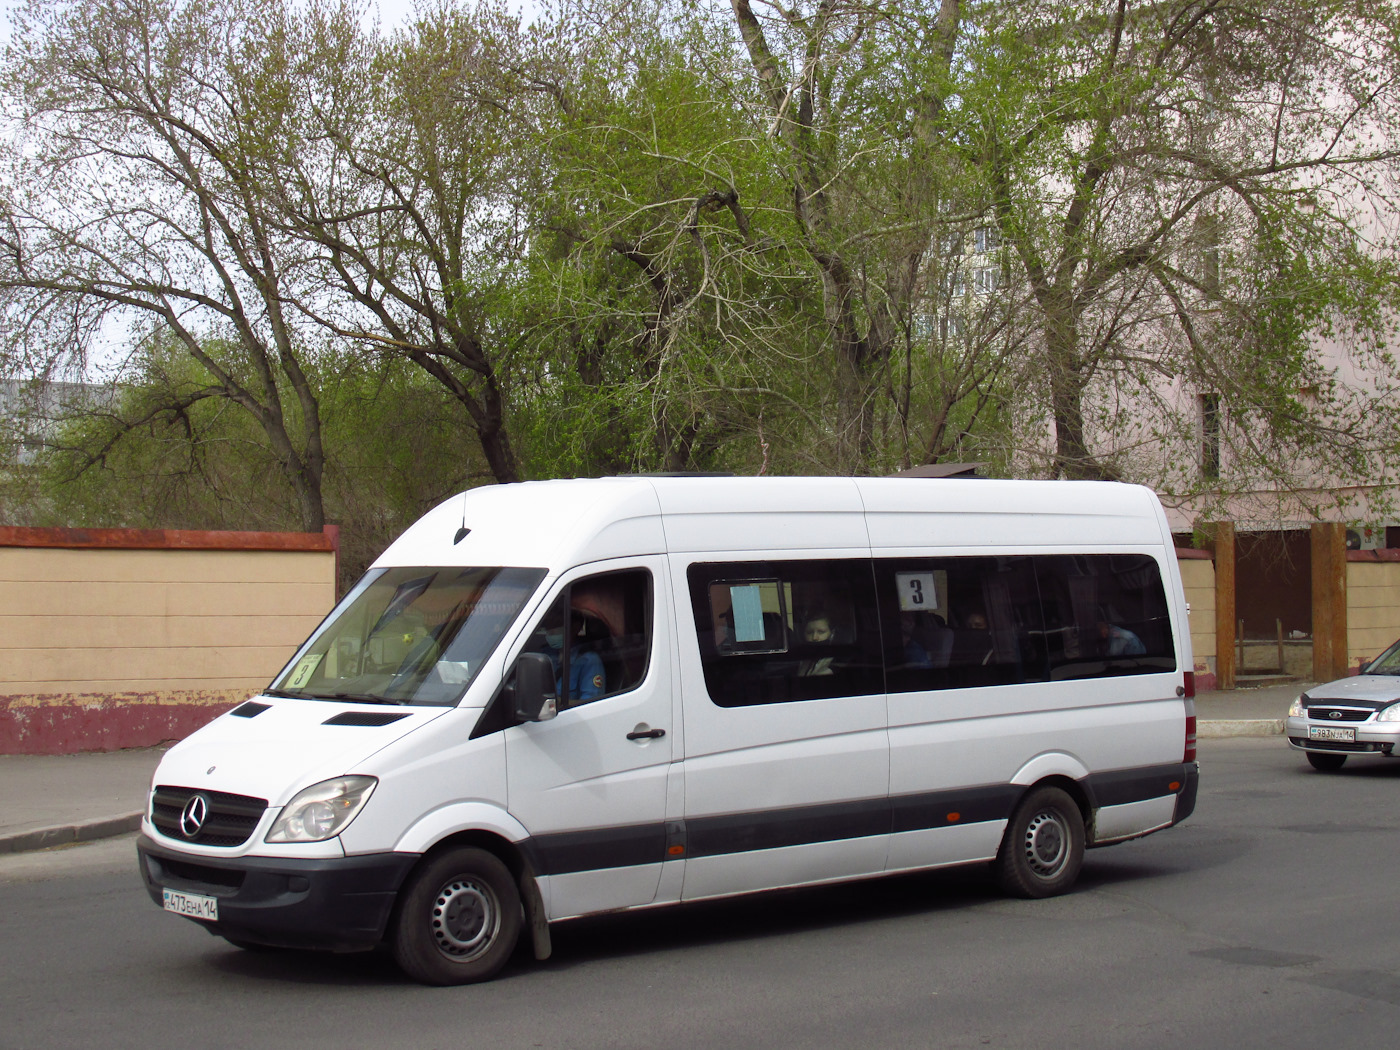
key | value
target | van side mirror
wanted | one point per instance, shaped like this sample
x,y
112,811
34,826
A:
x,y
535,699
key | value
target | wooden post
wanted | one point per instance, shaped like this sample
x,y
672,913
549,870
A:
x,y
1329,600
1223,546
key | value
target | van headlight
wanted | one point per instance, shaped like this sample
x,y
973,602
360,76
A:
x,y
322,811
1299,708
1389,714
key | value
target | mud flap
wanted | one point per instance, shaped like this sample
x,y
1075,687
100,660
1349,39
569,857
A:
x,y
534,914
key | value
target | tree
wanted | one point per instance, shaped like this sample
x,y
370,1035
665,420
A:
x,y
134,202
1181,186
759,258
393,451
412,200
851,96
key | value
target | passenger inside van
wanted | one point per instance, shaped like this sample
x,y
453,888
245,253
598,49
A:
x,y
817,631
926,639
1119,641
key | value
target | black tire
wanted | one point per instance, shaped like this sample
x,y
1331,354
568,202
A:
x,y
1326,763
458,919
1043,848
254,946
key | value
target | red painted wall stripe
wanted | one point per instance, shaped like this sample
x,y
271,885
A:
x,y
168,539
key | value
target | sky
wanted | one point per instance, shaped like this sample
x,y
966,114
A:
x,y
391,13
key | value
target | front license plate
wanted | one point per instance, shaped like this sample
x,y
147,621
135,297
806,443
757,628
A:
x,y
1331,733
192,904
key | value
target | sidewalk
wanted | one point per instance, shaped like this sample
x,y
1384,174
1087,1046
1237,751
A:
x,y
1245,712
54,800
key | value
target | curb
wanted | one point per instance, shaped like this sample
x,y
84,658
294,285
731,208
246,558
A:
x,y
68,834
1240,727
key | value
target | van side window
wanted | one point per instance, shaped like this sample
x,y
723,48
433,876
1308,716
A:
x,y
957,622
1105,614
771,632
597,633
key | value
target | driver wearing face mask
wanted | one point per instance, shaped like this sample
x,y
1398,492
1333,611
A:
x,y
586,676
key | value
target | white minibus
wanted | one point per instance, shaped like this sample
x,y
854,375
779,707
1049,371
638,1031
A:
x,y
555,699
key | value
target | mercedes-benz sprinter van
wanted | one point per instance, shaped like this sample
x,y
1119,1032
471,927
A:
x,y
555,699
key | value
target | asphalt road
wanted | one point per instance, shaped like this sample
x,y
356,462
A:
x,y
1268,920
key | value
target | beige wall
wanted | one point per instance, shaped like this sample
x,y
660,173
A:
x,y
1373,608
155,621
1198,580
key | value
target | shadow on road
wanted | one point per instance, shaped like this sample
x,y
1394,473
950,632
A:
x,y
780,913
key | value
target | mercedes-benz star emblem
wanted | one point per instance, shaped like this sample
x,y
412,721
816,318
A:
x,y
193,816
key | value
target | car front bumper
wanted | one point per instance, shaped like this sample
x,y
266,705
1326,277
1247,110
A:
x,y
339,904
1370,737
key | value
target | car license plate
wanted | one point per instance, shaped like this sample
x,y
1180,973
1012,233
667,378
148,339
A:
x,y
192,904
1331,733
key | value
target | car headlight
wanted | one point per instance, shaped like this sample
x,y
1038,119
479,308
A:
x,y
1299,708
321,811
1389,714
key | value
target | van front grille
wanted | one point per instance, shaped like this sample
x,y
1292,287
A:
x,y
199,876
228,820
1341,714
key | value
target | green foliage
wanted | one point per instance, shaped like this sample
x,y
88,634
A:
x,y
393,452
694,234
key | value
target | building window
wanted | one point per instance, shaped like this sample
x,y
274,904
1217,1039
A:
x,y
986,239
1210,435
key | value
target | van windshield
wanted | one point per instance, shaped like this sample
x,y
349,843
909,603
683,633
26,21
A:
x,y
409,636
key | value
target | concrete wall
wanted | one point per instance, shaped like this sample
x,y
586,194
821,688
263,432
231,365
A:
x,y
1198,580
113,638
1373,603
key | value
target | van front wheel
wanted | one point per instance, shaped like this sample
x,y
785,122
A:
x,y
1043,847
458,920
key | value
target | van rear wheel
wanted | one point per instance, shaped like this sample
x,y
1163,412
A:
x,y
1326,763
1043,848
459,919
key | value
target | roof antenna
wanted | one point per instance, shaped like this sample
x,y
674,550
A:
x,y
463,530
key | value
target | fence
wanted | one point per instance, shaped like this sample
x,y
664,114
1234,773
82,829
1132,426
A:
x,y
113,638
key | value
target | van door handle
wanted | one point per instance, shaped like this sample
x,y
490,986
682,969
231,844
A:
x,y
645,732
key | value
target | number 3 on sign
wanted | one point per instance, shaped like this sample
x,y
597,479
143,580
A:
x,y
916,591
304,670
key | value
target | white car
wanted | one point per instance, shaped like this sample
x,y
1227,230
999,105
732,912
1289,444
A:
x,y
1359,715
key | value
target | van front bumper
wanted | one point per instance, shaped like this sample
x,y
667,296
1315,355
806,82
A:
x,y
338,904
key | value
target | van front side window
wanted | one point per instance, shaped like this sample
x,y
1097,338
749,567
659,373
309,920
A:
x,y
409,635
597,634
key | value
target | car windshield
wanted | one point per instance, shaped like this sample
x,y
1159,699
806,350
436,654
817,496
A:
x,y
409,636
1387,663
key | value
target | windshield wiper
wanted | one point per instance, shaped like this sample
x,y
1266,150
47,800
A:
x,y
357,698
284,694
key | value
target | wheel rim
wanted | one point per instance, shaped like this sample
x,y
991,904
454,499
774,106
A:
x,y
466,917
1047,844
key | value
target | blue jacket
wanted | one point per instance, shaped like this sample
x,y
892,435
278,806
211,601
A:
x,y
586,676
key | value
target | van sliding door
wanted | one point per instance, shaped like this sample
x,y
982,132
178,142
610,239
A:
x,y
786,755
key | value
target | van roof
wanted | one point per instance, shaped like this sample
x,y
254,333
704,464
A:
x,y
555,524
